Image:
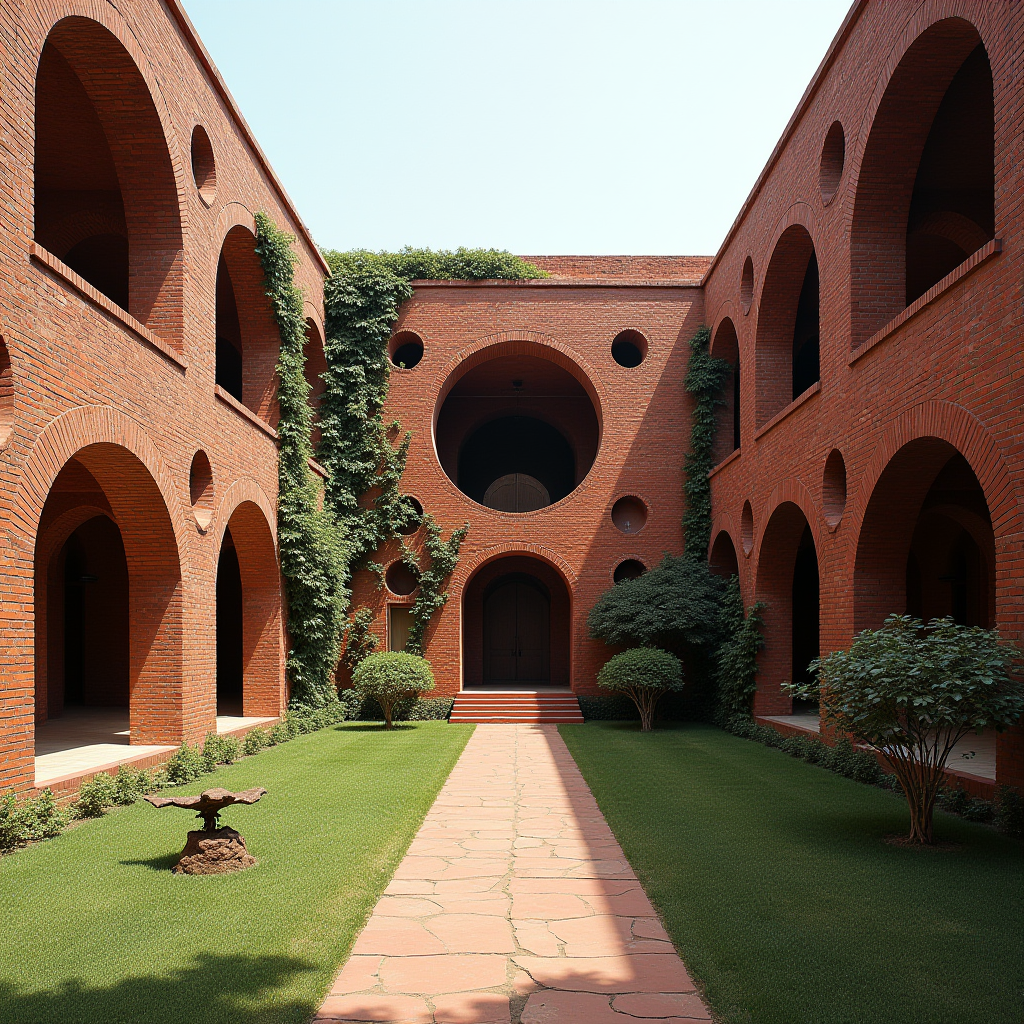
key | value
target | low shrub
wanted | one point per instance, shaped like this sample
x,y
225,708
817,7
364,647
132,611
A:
x,y
220,750
391,677
278,734
130,785
185,765
956,800
31,820
1009,812
255,741
95,796
644,675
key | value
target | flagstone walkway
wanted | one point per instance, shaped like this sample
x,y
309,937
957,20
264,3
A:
x,y
514,904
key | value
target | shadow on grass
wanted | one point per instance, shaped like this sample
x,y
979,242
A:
x,y
225,989
164,862
373,727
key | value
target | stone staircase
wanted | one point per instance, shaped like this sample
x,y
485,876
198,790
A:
x,y
527,706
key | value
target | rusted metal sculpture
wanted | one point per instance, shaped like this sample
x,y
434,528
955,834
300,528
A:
x,y
214,849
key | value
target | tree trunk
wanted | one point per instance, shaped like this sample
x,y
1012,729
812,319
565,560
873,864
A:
x,y
645,701
921,785
386,708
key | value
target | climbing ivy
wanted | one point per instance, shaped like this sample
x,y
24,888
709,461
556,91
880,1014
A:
x,y
311,544
705,378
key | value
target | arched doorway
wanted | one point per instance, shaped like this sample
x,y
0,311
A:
x,y
516,615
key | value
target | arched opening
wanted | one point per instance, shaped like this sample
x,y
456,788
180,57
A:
x,y
405,350
517,433
248,339
250,649
204,167
723,560
516,613
787,346
107,604
727,415
628,569
314,368
6,394
833,488
833,159
787,582
926,189
926,545
106,199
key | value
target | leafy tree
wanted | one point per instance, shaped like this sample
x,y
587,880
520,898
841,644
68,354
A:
x,y
644,675
912,691
391,676
674,606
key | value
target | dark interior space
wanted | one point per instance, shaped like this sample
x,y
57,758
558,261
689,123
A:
x,y
952,212
805,616
229,334
736,406
229,630
806,333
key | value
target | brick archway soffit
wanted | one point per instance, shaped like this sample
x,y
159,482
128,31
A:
x,y
794,493
242,491
470,566
233,215
724,522
963,431
45,16
65,436
726,311
927,14
800,213
312,313
62,528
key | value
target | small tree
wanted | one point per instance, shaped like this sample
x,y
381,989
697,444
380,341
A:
x,y
392,676
912,692
644,675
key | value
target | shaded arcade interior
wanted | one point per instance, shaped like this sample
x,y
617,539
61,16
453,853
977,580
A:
x,y
516,626
517,432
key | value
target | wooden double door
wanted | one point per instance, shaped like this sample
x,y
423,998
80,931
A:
x,y
517,631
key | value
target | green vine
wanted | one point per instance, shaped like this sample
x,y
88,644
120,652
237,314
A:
x,y
705,378
312,553
736,668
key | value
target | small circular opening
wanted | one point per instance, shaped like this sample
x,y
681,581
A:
x,y
6,394
629,348
833,488
629,515
833,157
747,528
400,579
630,569
747,285
200,481
204,169
405,349
413,524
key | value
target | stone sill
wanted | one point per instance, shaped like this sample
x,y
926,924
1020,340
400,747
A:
x,y
813,390
230,400
986,252
728,460
87,291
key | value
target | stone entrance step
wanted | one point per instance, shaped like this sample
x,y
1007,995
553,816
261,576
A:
x,y
513,706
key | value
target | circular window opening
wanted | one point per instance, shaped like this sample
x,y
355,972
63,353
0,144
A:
x,y
6,394
747,528
405,349
204,170
200,481
833,488
833,156
412,525
629,348
400,579
517,433
630,569
747,285
629,515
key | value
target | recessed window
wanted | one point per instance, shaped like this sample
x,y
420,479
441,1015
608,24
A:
x,y
833,488
200,480
629,348
400,579
399,626
204,170
747,528
629,515
747,285
833,157
405,350
630,569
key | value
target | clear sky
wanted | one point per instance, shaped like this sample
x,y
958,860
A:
x,y
539,126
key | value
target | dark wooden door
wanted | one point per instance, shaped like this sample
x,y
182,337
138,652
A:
x,y
517,634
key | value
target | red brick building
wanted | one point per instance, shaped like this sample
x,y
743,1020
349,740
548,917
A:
x,y
870,452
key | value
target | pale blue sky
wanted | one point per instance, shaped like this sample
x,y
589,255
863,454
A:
x,y
540,126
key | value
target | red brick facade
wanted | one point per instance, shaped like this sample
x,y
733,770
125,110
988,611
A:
x,y
870,451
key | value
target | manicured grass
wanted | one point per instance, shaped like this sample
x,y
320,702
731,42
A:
x,y
95,928
775,883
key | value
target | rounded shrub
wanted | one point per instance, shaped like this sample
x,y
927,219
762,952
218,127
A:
x,y
643,674
391,676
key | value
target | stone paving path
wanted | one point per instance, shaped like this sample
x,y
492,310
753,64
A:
x,y
514,904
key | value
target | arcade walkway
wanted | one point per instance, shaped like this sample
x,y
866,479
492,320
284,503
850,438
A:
x,y
514,902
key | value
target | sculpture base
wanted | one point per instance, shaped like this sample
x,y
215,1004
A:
x,y
213,853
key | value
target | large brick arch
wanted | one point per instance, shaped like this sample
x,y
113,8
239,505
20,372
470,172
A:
x,y
907,456
249,514
121,85
896,124
144,503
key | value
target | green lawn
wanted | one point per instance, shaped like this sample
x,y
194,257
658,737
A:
x,y
782,898
95,928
